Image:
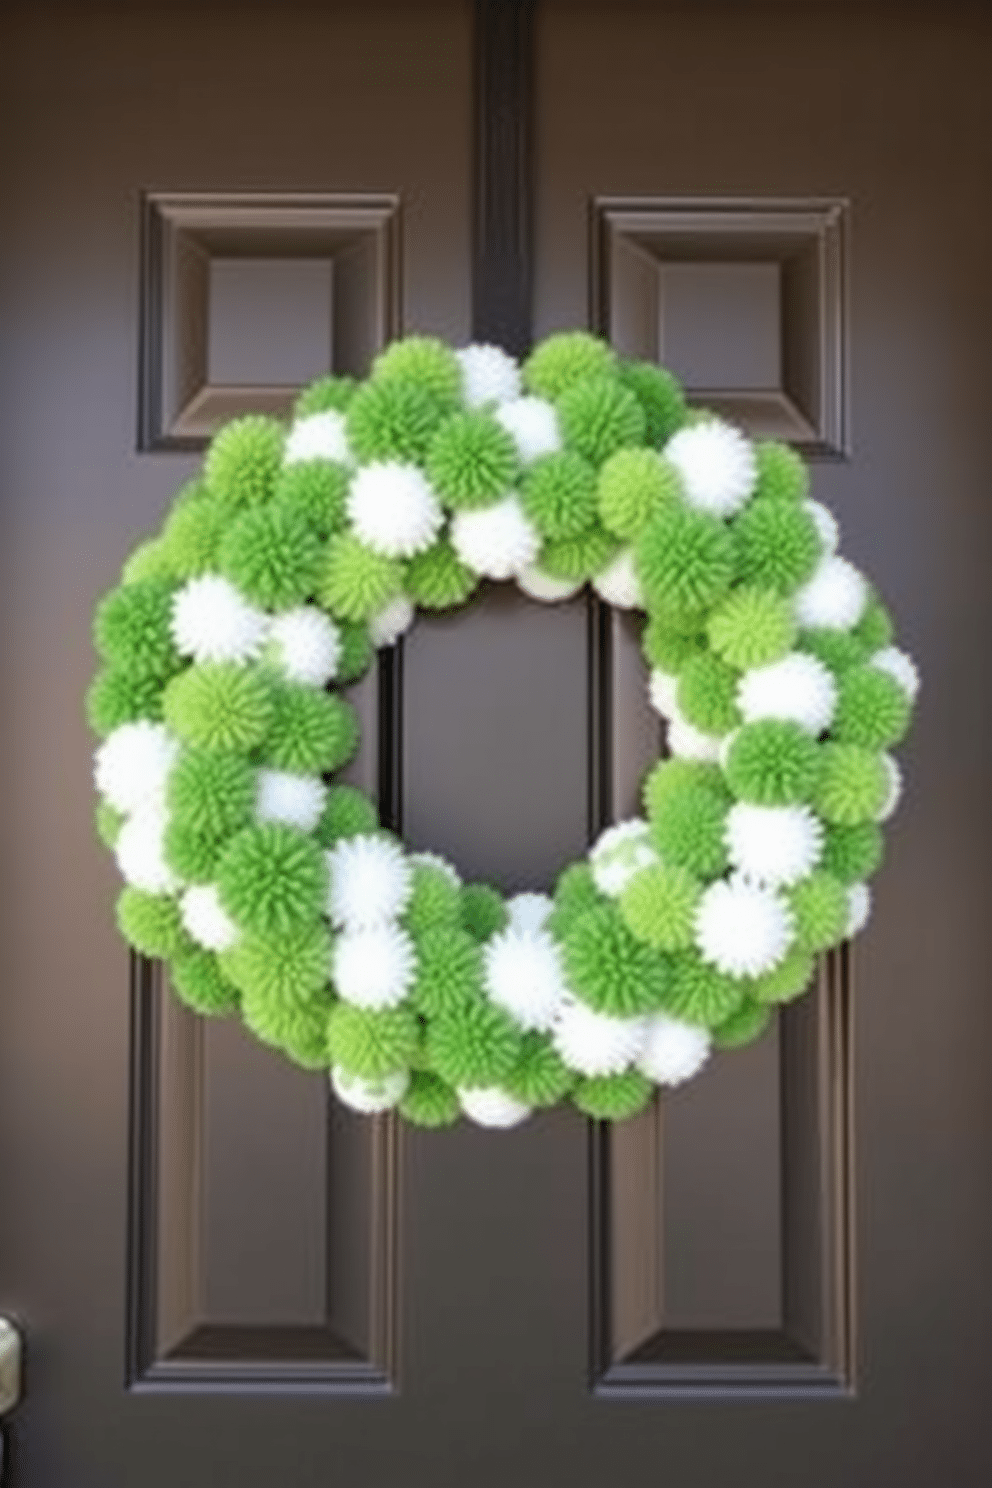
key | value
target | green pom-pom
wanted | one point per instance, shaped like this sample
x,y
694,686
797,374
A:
x,y
778,545
837,649
875,628
272,556
613,1097
425,361
192,537
437,579
669,649
372,1044
701,994
670,776
659,906
472,461
743,1027
315,491
393,420
773,762
357,650
752,628
324,395
116,696
191,854
707,694
599,416
473,1043
348,812
685,561
429,1101
579,557
311,732
298,1028
434,901
609,968
449,970
782,474
198,981
285,967
566,358
635,484
872,709
356,582
272,878
133,629
787,980
575,892
559,495
687,827
659,395
220,705
820,909
151,923
212,791
243,461
853,853
540,1076
853,784
150,560
108,822
483,910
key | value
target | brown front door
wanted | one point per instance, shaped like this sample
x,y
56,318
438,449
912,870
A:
x,y
779,1275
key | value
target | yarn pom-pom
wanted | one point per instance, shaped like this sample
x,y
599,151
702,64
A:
x,y
132,629
825,523
324,393
742,1027
613,1097
489,375
313,491
393,420
742,928
773,844
558,494
670,776
357,650
524,976
852,852
497,541
599,416
437,579
369,1097
205,918
532,424
819,904
853,784
619,584
297,800
798,688
192,536
778,545
373,968
318,436
371,882
594,1043
663,688
834,598
373,1044
659,906
716,464
386,627
618,853
197,980
492,1107
858,908
673,1051
685,561
473,1043
633,485
752,628
580,557
687,742
773,763
211,621
483,910
707,694
700,993
243,461
873,708
310,732
271,878
875,628
449,970
132,765
786,980
894,793
305,645
429,1102
151,923
272,557
436,895
782,475
529,912
348,812
472,460
140,854
567,358
660,396
688,829
544,587
393,509
899,666
424,361
609,968
539,1077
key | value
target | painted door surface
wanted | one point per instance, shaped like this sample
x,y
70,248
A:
x,y
780,1274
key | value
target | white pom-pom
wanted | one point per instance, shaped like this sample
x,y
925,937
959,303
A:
x,y
205,918
619,853
594,1043
296,799
825,523
687,742
858,908
673,1051
618,583
524,976
139,852
743,929
663,688
374,968
489,1106
371,882
132,765
386,627
900,667
489,375
717,466
211,621
306,645
545,587
435,860
532,424
773,844
529,912
369,1097
835,597
393,509
319,436
799,688
496,541
894,793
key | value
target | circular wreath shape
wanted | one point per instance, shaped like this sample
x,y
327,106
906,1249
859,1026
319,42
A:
x,y
271,889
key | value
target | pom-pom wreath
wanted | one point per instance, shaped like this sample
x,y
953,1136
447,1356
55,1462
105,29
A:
x,y
269,886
